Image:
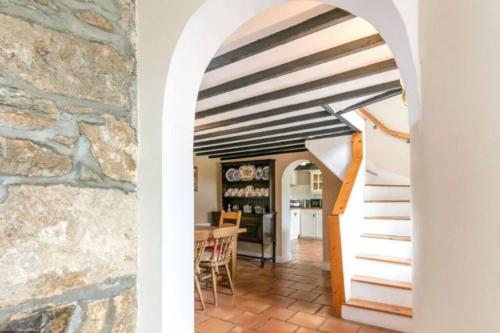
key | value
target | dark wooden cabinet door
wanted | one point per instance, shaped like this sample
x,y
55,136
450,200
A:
x,y
253,224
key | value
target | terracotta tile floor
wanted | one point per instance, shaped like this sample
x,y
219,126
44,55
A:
x,y
279,298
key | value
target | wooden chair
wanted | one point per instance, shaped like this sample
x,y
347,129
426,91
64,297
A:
x,y
227,219
220,256
201,238
230,219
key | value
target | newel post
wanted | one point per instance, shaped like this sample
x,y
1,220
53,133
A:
x,y
334,232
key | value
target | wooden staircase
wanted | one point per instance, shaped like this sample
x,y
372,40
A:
x,y
381,288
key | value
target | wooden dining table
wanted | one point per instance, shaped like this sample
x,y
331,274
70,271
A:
x,y
234,254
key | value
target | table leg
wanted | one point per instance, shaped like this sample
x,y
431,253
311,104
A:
x,y
234,260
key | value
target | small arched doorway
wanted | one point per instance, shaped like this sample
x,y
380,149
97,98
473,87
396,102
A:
x,y
302,210
285,209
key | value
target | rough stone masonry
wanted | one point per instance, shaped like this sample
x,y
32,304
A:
x,y
68,146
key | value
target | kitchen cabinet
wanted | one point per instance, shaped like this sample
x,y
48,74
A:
x,y
319,224
316,182
294,223
311,223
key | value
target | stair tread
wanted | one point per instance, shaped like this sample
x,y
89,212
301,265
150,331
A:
x,y
388,201
388,185
382,282
389,259
381,307
402,218
389,237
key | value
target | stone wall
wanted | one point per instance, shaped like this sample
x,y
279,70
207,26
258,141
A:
x,y
67,166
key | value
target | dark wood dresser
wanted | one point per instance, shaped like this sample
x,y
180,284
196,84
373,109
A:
x,y
260,225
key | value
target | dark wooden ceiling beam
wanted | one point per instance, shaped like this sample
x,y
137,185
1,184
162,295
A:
x,y
315,59
316,103
289,120
233,149
369,70
377,98
264,142
330,110
273,151
239,119
258,151
307,27
278,131
225,143
256,154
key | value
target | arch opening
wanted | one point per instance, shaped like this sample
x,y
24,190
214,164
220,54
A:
x,y
199,41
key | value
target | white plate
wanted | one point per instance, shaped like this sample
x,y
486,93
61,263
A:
x,y
229,174
265,176
259,172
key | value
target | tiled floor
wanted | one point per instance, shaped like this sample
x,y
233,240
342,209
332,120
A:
x,y
280,298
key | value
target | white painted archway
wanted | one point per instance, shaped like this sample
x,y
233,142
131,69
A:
x,y
205,31
286,183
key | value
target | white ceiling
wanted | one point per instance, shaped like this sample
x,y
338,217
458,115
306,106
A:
x,y
271,22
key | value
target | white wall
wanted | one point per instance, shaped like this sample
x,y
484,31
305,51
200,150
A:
x,y
456,169
335,153
207,198
384,151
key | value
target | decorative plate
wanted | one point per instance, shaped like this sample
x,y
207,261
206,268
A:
x,y
247,172
236,175
259,172
265,176
229,174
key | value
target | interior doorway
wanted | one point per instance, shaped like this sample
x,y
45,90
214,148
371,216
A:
x,y
302,207
208,31
306,213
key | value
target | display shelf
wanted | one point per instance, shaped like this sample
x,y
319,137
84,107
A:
x,y
261,228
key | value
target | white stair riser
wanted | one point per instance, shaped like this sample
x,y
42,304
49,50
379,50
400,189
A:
x,y
385,247
387,193
376,318
387,227
383,270
371,179
388,209
381,294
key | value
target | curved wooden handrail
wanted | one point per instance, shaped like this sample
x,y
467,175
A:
x,y
335,244
368,116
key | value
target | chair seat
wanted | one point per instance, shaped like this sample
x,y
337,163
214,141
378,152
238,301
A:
x,y
208,263
206,256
